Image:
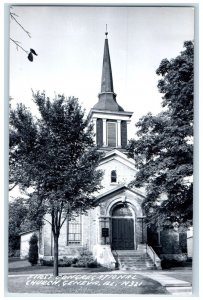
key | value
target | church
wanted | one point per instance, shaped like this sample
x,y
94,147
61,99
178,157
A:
x,y
114,231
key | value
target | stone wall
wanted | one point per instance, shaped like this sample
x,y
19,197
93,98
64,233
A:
x,y
90,230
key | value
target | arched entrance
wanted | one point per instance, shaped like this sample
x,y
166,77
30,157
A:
x,y
123,231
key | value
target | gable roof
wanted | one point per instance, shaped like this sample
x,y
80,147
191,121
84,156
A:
x,y
29,231
120,156
117,190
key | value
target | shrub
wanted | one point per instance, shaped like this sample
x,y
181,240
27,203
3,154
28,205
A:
x,y
85,252
65,262
173,260
33,250
74,260
85,260
92,264
45,262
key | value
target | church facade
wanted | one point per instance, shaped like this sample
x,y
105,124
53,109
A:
x,y
116,224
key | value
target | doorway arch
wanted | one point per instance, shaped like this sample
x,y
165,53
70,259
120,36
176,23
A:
x,y
123,227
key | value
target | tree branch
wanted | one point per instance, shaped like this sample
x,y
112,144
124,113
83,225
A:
x,y
10,189
63,220
52,224
60,213
12,17
18,45
47,221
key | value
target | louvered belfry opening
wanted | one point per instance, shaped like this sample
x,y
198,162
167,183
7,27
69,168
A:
x,y
111,134
110,119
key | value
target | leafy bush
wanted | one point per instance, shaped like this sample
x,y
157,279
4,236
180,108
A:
x,y
85,260
173,260
65,262
92,264
85,252
33,250
170,263
74,260
13,253
45,262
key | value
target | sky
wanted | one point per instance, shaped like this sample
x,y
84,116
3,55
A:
x,y
70,43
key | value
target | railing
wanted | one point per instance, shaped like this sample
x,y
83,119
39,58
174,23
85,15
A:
x,y
116,258
156,260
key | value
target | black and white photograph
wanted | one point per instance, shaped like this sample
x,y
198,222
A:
x,y
101,114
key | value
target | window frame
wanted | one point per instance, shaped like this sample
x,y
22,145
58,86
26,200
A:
x,y
74,241
114,176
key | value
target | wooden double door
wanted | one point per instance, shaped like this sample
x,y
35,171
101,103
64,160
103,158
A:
x,y
123,235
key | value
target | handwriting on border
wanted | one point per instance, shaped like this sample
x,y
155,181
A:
x,y
111,280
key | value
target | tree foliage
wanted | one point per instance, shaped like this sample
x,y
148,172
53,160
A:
x,y
33,250
163,150
56,156
19,221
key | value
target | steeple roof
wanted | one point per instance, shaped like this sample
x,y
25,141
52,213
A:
x,y
107,78
107,97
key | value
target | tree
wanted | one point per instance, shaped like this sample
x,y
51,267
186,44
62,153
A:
x,y
19,221
17,213
163,150
33,250
56,156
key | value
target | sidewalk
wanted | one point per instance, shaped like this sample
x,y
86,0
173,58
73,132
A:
x,y
176,282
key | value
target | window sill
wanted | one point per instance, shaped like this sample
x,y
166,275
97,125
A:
x,y
74,245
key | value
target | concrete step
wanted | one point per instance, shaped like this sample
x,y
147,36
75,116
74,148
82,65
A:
x,y
144,262
131,253
134,255
134,259
136,263
134,268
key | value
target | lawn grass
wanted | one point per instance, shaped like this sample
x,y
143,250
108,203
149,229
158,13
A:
x,y
24,267
20,271
136,284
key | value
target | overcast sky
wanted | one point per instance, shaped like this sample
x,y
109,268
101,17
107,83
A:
x,y
70,43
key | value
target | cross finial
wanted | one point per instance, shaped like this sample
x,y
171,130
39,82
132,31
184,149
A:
x,y
106,33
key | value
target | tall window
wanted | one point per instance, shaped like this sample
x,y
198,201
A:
x,y
74,230
113,176
111,134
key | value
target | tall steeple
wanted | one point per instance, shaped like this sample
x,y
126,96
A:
x,y
107,97
109,119
107,78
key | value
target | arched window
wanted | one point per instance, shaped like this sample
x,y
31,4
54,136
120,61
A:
x,y
113,176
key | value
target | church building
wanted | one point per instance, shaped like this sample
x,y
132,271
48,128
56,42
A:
x,y
114,231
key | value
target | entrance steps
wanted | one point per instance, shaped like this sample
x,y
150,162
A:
x,y
134,259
